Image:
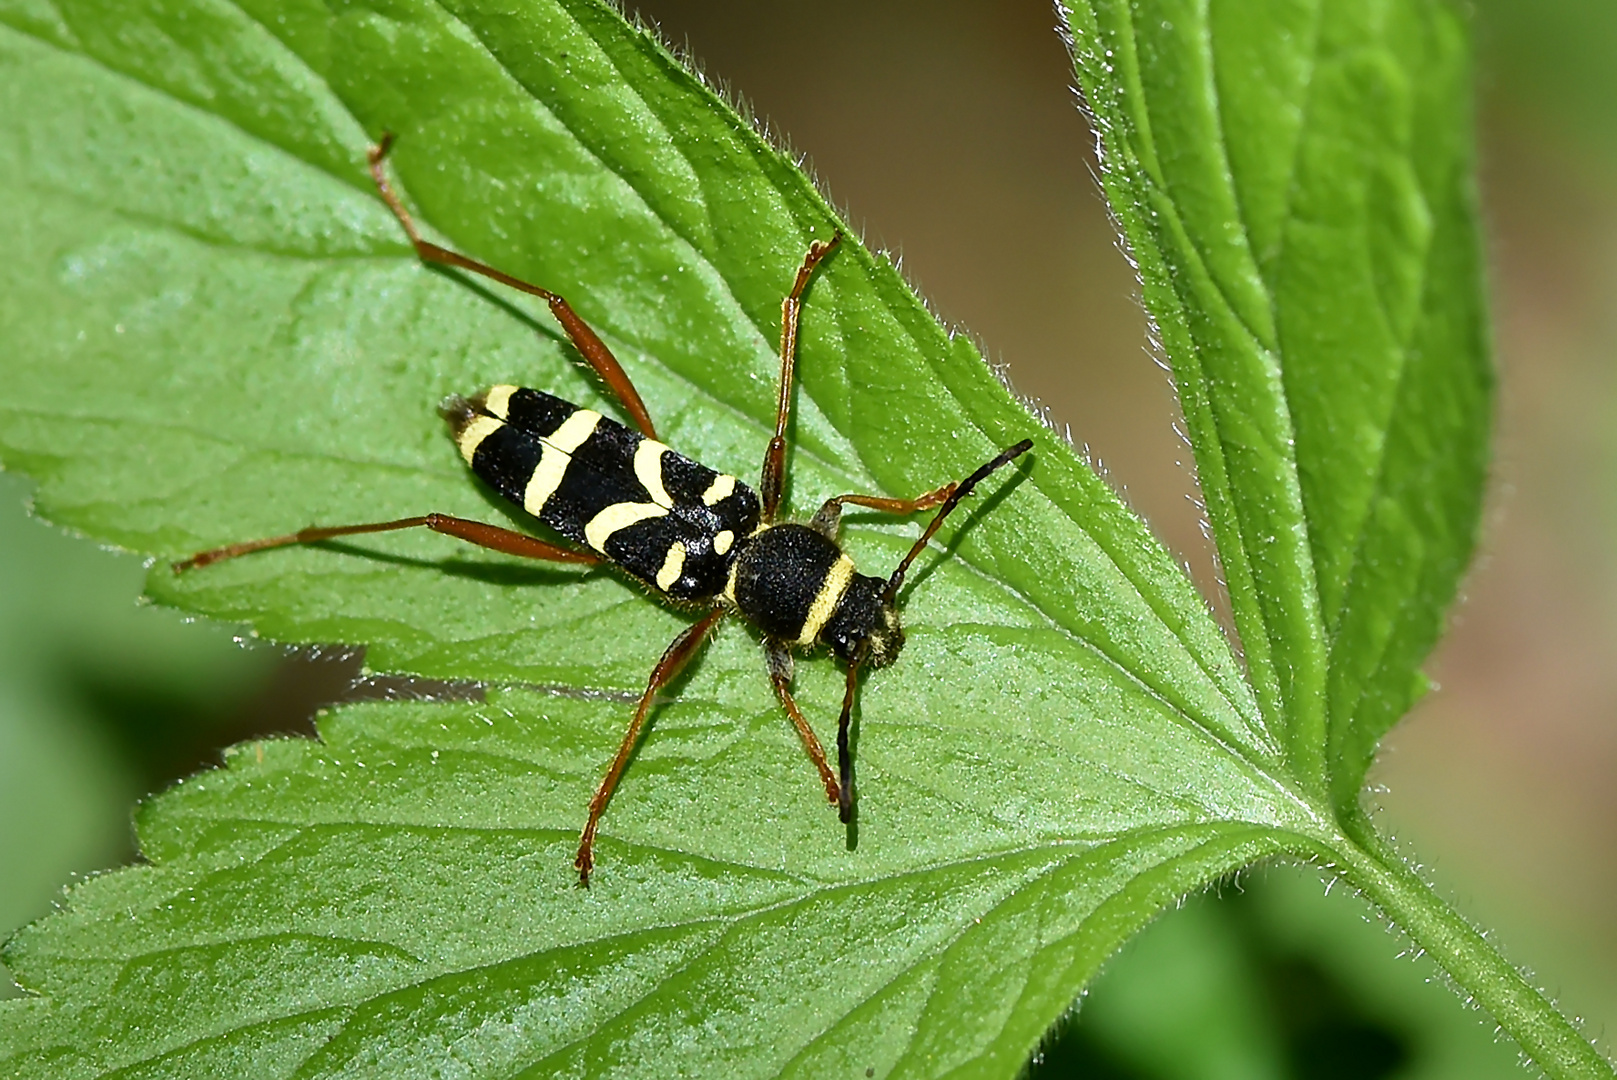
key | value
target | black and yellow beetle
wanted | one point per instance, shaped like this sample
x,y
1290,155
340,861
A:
x,y
693,535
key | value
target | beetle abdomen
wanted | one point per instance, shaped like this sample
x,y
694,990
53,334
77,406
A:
x,y
667,520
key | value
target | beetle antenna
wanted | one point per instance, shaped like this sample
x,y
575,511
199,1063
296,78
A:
x,y
896,582
844,753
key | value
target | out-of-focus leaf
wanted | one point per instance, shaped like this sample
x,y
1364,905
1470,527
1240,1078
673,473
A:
x,y
70,762
1272,978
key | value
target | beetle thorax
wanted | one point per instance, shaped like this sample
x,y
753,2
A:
x,y
796,584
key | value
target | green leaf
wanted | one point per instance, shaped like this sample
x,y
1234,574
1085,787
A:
x,y
218,332
402,896
1295,180
1065,746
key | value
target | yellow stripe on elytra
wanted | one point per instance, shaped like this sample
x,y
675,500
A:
x,y
648,469
673,566
825,604
498,401
719,489
555,455
615,517
472,435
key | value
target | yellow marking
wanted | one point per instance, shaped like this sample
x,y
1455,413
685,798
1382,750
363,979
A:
x,y
719,489
472,435
648,469
615,517
722,541
555,454
825,604
729,593
498,400
673,566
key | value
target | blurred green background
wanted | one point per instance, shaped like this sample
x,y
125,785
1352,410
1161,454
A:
x,y
948,132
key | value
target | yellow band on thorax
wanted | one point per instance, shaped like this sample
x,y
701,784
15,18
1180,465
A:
x,y
825,603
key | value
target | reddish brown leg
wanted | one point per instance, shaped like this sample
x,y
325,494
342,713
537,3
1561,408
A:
x,y
828,519
780,673
774,477
674,660
900,506
591,347
474,532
